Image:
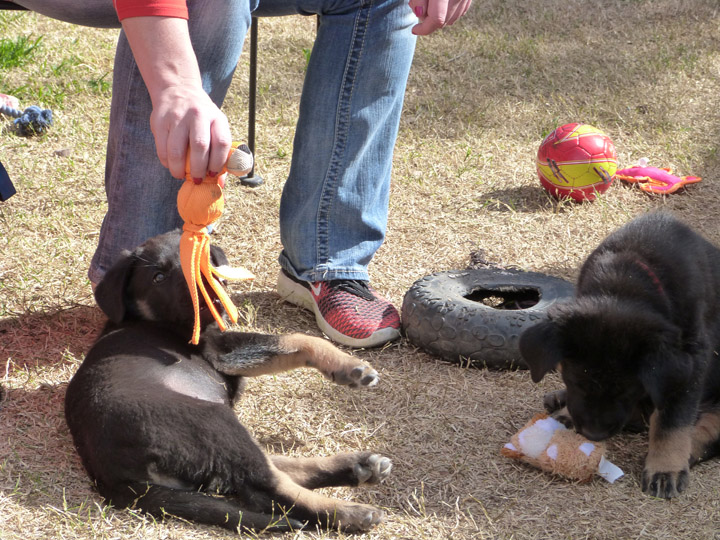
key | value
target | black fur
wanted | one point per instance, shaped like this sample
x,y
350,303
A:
x,y
151,415
639,340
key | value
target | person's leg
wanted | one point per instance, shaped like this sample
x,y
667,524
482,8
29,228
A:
x,y
333,211
97,13
141,193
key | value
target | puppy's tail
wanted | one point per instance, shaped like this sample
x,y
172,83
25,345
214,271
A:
x,y
199,507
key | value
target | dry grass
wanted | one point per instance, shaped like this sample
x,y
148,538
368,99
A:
x,y
480,98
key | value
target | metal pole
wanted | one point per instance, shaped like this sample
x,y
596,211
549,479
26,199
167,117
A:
x,y
252,180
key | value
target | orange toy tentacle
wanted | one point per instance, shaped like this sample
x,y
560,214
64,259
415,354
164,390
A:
x,y
188,258
223,296
203,270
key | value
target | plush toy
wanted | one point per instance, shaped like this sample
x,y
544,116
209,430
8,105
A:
x,y
548,445
200,205
654,179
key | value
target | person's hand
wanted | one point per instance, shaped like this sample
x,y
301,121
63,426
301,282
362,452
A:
x,y
186,121
434,14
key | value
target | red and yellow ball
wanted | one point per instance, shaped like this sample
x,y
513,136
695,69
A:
x,y
576,161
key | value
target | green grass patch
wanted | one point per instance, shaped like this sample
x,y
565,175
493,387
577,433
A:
x,y
17,52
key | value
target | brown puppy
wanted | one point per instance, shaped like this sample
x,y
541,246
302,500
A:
x,y
640,339
152,419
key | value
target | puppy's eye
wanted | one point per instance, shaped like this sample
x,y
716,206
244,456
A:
x,y
159,277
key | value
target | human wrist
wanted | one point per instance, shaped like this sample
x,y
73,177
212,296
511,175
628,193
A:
x,y
163,52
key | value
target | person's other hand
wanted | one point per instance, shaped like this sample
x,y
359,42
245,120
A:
x,y
435,14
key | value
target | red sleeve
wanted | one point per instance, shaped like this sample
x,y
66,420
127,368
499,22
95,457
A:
x,y
144,8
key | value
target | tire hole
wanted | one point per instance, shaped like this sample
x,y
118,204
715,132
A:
x,y
512,299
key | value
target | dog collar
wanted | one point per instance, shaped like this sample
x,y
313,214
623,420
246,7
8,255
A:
x,y
653,277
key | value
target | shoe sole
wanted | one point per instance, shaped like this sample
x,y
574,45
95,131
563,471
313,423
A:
x,y
296,294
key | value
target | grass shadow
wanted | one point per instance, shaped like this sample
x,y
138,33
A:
x,y
525,199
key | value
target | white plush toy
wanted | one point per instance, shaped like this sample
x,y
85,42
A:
x,y
548,445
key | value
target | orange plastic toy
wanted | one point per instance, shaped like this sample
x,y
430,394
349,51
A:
x,y
201,205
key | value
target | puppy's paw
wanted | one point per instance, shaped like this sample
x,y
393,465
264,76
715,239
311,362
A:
x,y
372,469
338,366
563,416
553,401
355,376
354,518
665,485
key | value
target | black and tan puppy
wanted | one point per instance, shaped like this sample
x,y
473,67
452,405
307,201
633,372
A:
x,y
152,418
641,336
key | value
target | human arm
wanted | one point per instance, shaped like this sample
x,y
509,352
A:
x,y
184,118
434,14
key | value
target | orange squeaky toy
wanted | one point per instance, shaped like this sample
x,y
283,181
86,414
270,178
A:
x,y
201,205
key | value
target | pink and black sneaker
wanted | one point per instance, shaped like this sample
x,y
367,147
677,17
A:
x,y
348,311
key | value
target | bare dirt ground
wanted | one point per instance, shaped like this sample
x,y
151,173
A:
x,y
481,97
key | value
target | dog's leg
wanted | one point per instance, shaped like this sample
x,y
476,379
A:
x,y
555,405
250,355
351,469
235,484
667,466
706,436
289,507
306,505
554,401
194,505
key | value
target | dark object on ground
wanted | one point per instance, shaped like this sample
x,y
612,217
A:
x,y
31,121
7,189
475,316
640,340
152,415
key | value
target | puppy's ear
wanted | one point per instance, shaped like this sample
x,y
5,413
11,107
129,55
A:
x,y
540,348
110,292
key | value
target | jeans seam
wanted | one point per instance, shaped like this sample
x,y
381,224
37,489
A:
x,y
341,132
101,261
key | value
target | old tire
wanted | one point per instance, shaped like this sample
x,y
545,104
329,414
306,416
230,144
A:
x,y
475,316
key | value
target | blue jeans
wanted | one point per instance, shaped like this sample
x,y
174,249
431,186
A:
x,y
333,211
